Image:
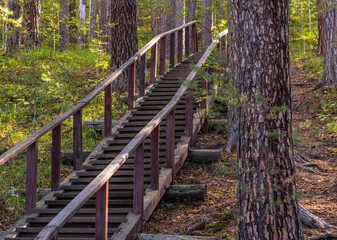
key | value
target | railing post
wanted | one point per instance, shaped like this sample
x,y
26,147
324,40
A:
x,y
153,69
108,110
142,75
162,56
170,134
189,115
132,81
77,140
194,38
154,175
187,41
102,205
56,237
31,177
138,181
180,46
56,158
172,49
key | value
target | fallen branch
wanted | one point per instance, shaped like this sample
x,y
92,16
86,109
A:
x,y
306,169
313,221
326,236
200,224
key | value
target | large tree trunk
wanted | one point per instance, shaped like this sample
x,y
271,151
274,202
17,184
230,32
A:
x,y
206,23
124,36
192,6
64,25
73,18
320,20
93,17
329,42
267,204
31,22
12,38
81,18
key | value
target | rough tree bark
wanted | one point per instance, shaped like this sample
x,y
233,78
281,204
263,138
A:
x,y
123,37
320,19
159,17
72,18
206,23
12,34
329,41
64,25
105,24
81,18
93,17
192,6
31,22
267,204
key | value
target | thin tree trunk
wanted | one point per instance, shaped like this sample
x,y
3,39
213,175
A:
x,y
320,20
31,22
64,25
206,23
192,6
267,204
159,17
81,18
124,36
329,42
73,18
93,17
12,38
105,24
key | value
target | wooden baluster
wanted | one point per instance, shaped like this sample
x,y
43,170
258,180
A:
x,y
138,182
194,38
77,140
153,69
189,115
170,134
108,110
162,56
56,237
180,46
155,135
172,49
132,81
31,177
102,206
56,158
187,41
142,83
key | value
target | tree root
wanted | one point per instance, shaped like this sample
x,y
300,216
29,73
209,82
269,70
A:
x,y
325,236
313,221
306,169
200,224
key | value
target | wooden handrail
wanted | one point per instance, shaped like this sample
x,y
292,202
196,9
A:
x,y
33,138
51,229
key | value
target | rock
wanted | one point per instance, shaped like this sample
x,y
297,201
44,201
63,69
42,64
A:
x,y
204,155
97,125
193,192
68,156
173,237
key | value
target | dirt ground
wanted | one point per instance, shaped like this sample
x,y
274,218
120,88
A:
x,y
317,191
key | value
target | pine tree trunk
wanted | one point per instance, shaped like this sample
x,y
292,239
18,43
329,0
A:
x,y
31,22
105,24
73,18
267,204
320,20
93,17
329,42
159,17
124,37
12,38
64,25
81,18
206,23
192,6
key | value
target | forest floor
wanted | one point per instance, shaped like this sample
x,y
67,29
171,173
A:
x,y
317,190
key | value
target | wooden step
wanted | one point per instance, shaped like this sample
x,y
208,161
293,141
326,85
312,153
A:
x,y
76,220
54,211
121,202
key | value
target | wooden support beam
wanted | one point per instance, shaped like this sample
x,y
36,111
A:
x,y
56,158
132,83
187,42
102,206
138,186
194,38
107,110
170,139
142,82
155,158
162,56
31,177
77,140
189,115
172,49
153,68
180,46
